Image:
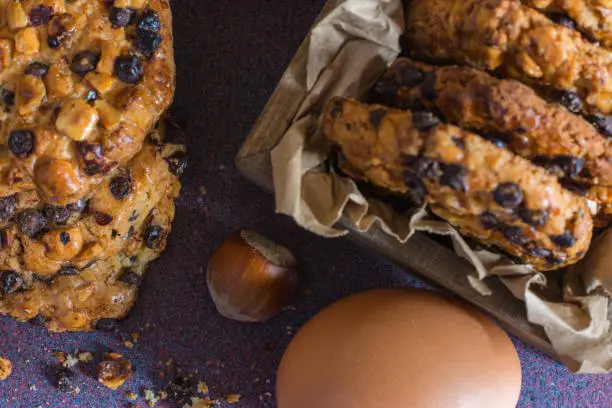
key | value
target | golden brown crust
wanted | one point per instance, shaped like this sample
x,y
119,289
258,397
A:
x,y
518,41
88,267
485,191
74,143
510,114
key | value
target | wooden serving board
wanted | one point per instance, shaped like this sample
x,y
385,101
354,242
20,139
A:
x,y
428,259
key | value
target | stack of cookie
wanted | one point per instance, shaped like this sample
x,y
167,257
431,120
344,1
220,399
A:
x,y
512,144
87,186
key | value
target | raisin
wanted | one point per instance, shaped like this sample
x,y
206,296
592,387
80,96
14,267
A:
x,y
424,121
410,76
508,195
64,238
7,207
120,187
107,325
56,214
4,242
147,42
11,282
40,15
571,101
515,235
31,223
130,278
37,69
7,97
565,240
22,143
428,89
423,167
602,123
84,62
386,90
121,17
337,108
454,176
64,380
129,69
488,220
563,20
536,218
155,237
417,191
102,219
177,165
376,117
68,270
38,321
91,157
149,21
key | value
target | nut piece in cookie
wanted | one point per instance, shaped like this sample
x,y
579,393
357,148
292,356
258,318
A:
x,y
114,370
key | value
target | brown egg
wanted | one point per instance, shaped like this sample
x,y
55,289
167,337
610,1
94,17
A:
x,y
399,348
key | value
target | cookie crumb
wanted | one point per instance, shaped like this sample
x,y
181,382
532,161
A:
x,y
203,388
85,357
201,403
150,397
132,396
128,344
6,368
233,398
70,361
60,355
114,370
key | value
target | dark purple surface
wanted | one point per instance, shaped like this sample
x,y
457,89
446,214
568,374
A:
x,y
230,55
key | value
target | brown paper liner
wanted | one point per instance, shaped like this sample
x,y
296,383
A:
x,y
349,50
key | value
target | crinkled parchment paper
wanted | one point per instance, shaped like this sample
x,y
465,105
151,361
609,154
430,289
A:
x,y
349,50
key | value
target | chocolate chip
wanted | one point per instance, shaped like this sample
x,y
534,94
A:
x,y
508,195
120,187
177,164
102,219
565,240
155,237
423,167
557,259
149,21
147,42
107,325
337,108
498,138
428,89
84,62
130,278
424,121
91,158
535,251
78,206
376,116
37,69
571,101
562,165
459,143
40,15
7,207
563,20
11,282
64,238
91,96
38,321
68,270
22,143
515,235
576,187
602,123
386,90
133,216
410,76
7,98
535,218
416,191
4,243
56,214
31,223
53,42
454,176
489,221
121,17
64,380
129,69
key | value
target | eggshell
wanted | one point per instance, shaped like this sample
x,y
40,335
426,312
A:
x,y
399,348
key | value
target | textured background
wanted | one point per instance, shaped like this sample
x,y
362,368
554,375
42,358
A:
x,y
230,55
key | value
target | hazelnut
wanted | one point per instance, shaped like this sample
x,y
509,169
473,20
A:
x,y
250,278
